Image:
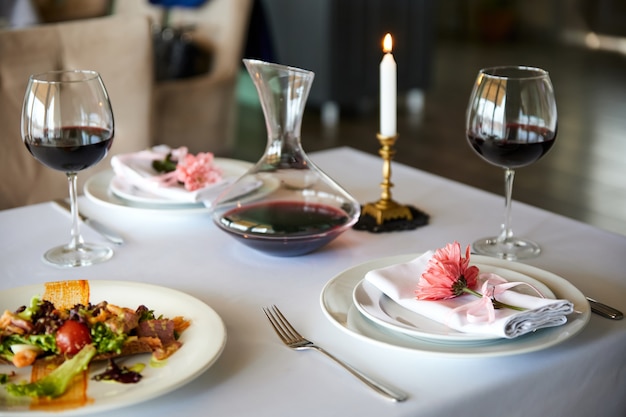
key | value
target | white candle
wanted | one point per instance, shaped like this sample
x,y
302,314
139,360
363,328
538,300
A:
x,y
388,90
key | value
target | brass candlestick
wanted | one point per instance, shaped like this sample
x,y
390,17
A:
x,y
386,209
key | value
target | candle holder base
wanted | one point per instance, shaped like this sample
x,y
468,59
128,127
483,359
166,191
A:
x,y
386,209
391,223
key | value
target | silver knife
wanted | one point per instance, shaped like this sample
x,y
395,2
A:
x,y
604,310
105,231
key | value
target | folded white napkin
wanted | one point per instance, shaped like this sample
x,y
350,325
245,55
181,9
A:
x,y
399,282
136,169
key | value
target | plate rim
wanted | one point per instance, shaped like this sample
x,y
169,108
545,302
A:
x,y
178,300
96,189
383,337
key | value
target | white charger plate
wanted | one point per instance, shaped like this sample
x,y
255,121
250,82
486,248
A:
x,y
203,342
382,310
336,301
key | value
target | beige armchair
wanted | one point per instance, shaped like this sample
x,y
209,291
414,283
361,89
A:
x,y
200,112
119,48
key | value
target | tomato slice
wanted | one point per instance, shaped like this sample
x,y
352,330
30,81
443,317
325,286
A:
x,y
72,336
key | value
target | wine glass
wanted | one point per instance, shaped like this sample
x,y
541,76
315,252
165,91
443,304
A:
x,y
67,125
511,123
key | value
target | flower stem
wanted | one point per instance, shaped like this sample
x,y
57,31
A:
x,y
496,304
471,291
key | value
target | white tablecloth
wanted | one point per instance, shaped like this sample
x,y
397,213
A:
x,y
257,375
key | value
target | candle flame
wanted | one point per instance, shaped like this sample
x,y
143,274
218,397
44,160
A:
x,y
387,43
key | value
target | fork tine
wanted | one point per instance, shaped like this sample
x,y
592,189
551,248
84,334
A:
x,y
275,324
286,325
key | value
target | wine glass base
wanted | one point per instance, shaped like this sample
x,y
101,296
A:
x,y
84,255
511,249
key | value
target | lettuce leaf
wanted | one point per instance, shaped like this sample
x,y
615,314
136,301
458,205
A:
x,y
32,309
56,382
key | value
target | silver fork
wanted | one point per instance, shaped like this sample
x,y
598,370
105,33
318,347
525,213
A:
x,y
294,340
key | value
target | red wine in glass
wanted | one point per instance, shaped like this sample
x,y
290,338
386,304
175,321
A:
x,y
74,149
522,145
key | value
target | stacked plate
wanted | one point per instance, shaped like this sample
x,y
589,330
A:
x,y
110,189
360,309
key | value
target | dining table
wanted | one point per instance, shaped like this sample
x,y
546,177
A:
x,y
255,374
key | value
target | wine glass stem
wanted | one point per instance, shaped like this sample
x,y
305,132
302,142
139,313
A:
x,y
507,232
76,238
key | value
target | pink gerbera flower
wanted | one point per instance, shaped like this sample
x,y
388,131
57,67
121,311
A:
x,y
197,171
447,274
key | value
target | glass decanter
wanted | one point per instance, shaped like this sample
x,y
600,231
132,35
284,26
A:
x,y
284,205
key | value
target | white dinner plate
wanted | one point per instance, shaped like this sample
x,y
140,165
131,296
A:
x,y
231,170
97,189
337,304
382,310
203,342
